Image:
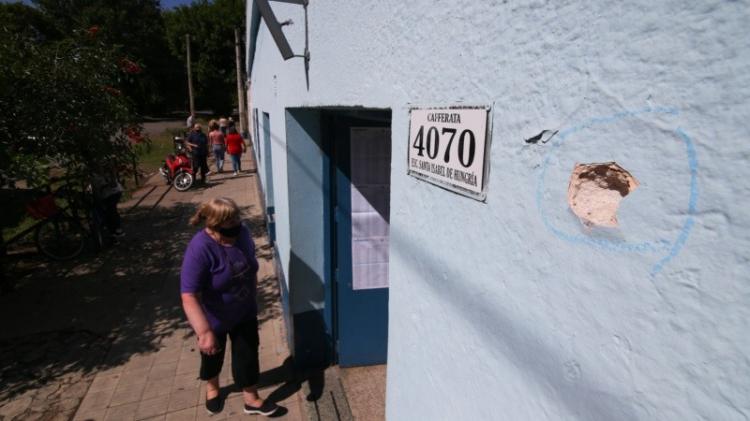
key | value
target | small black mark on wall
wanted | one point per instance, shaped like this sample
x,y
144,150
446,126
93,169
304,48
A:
x,y
544,136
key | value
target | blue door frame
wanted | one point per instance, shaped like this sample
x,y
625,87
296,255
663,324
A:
x,y
268,166
360,316
331,323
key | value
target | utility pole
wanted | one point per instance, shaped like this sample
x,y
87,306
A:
x,y
190,76
240,90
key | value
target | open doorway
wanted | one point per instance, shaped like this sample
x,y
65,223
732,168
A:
x,y
360,198
338,166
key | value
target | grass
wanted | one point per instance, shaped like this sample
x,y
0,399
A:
x,y
150,159
25,223
161,145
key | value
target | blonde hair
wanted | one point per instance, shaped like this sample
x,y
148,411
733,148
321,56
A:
x,y
215,212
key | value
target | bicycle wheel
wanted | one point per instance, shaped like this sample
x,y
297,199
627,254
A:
x,y
60,238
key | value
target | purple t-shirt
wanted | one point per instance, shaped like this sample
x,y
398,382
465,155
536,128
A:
x,y
225,276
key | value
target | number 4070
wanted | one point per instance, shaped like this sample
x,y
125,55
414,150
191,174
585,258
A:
x,y
466,144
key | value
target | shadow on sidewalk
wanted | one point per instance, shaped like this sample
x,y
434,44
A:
x,y
66,321
290,381
65,318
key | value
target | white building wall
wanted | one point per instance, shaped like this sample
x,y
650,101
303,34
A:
x,y
511,309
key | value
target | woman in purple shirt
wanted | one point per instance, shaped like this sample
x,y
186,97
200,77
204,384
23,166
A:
x,y
218,286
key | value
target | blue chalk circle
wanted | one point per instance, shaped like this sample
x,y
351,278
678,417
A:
x,y
668,249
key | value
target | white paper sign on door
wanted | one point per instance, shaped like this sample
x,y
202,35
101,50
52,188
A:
x,y
370,205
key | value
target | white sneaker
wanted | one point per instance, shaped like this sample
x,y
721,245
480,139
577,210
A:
x,y
235,174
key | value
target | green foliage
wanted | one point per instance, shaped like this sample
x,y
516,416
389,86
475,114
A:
x,y
28,22
211,27
63,111
137,28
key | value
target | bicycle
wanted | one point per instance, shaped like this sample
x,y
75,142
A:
x,y
67,219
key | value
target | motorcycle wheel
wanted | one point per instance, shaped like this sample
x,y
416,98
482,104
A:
x,y
183,181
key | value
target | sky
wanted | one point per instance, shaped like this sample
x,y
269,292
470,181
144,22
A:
x,y
165,4
168,4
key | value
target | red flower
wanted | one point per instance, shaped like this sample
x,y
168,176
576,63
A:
x,y
112,91
129,66
92,31
134,134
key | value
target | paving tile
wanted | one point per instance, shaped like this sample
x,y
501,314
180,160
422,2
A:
x,y
225,377
292,399
158,387
271,361
183,399
96,400
175,340
104,382
77,389
65,415
90,415
163,385
134,376
127,393
189,364
294,412
168,355
121,413
234,405
16,406
164,370
152,407
42,405
156,418
187,414
140,361
186,381
202,393
201,414
244,417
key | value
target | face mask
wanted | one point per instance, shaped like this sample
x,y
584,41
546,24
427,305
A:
x,y
231,232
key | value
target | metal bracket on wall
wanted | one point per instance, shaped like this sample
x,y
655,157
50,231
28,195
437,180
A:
x,y
274,26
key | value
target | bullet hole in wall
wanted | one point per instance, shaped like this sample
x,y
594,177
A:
x,y
543,137
596,190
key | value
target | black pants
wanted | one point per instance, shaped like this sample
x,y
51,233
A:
x,y
245,365
110,213
200,163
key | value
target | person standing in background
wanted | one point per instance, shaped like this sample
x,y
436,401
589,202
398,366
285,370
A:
x,y
235,148
216,137
107,192
198,143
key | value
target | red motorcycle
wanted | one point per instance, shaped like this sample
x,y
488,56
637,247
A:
x,y
178,167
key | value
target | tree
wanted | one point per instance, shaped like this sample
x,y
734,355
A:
x,y
211,28
63,107
137,28
28,22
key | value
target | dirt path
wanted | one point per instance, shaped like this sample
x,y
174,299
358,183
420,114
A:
x,y
154,128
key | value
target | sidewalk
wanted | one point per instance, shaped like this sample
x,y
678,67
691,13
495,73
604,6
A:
x,y
104,338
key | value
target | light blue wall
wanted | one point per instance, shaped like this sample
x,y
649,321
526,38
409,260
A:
x,y
510,309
